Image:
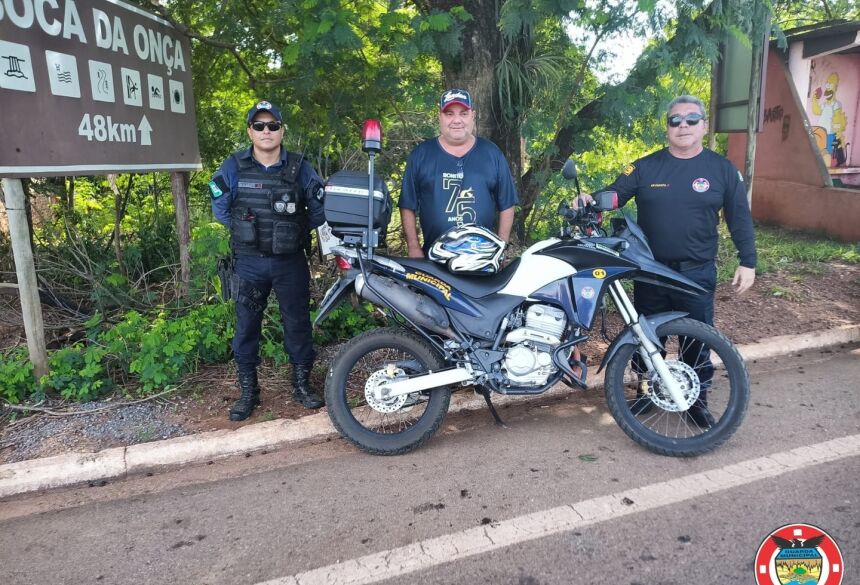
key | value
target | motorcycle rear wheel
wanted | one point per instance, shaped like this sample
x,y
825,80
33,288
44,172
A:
x,y
384,433
644,411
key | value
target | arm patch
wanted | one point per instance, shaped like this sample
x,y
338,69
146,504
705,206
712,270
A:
x,y
217,187
628,170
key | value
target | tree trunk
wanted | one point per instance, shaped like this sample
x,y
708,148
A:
x,y
179,187
117,222
31,308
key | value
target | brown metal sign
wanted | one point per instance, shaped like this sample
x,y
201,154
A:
x,y
91,87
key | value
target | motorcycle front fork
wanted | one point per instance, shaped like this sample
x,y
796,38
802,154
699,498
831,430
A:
x,y
648,348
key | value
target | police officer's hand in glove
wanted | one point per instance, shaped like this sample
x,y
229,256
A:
x,y
744,278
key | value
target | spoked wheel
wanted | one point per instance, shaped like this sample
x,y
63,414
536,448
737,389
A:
x,y
712,376
384,426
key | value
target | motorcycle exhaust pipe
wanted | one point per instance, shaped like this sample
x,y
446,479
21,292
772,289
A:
x,y
420,309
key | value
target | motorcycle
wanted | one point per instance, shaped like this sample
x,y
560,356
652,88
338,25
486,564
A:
x,y
516,332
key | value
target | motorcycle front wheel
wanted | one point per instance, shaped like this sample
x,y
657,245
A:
x,y
391,426
712,375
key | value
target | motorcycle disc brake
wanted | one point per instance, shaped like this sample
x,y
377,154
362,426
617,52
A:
x,y
687,379
378,379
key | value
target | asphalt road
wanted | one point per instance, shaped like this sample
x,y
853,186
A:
x,y
560,496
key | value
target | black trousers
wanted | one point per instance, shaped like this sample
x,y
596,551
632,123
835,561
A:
x,y
289,277
650,299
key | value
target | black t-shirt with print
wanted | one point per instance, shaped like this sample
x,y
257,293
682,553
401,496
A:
x,y
679,201
446,190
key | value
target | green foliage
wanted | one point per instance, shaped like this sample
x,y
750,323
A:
x,y
155,352
345,322
141,353
16,376
77,373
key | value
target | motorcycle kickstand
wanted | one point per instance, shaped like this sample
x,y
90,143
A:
x,y
486,394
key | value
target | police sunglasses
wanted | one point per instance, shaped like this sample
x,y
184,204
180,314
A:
x,y
260,126
691,119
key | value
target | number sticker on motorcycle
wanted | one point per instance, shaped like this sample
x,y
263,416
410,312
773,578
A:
x,y
599,273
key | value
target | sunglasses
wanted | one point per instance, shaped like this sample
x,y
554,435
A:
x,y
691,119
260,126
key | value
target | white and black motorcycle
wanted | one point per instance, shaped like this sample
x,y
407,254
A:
x,y
674,385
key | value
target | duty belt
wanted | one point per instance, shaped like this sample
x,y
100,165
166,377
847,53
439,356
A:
x,y
685,265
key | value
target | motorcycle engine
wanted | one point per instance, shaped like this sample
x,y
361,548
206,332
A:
x,y
528,358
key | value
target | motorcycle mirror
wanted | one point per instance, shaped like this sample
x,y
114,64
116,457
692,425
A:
x,y
371,136
568,171
563,208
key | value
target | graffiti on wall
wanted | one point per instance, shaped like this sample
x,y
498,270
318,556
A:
x,y
773,114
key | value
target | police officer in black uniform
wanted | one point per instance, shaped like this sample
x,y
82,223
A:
x,y
269,199
680,191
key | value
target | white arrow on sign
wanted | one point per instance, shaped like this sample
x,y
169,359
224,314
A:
x,y
145,130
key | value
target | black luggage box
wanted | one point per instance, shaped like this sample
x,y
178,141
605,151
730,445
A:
x,y
346,202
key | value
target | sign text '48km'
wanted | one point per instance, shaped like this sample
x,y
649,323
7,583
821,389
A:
x,y
104,129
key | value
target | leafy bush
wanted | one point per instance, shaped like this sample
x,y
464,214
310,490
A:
x,y
141,354
344,322
16,376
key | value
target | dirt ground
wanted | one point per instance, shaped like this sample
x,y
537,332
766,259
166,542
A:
x,y
780,303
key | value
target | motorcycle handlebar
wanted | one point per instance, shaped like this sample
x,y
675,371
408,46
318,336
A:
x,y
592,210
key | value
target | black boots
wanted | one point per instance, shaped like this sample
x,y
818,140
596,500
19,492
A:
x,y
700,414
302,392
249,399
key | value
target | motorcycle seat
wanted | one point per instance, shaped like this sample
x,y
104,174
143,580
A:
x,y
473,286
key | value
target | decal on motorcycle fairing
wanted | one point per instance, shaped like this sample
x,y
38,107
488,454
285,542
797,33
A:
x,y
427,279
599,273
606,249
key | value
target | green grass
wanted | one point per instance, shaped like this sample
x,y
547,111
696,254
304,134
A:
x,y
783,249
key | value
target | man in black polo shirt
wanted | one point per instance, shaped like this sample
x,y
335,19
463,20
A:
x,y
679,193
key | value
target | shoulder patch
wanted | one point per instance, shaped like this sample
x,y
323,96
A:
x,y
628,170
218,186
215,190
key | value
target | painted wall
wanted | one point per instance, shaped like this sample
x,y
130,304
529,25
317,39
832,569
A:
x,y
791,182
784,149
832,104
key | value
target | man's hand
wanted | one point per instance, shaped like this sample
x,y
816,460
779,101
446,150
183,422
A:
x,y
581,201
744,278
415,252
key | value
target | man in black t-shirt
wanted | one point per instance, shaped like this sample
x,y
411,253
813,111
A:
x,y
455,178
680,191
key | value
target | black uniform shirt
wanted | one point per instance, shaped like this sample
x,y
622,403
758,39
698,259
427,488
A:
x,y
679,201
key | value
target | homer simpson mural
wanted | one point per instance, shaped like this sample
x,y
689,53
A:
x,y
830,114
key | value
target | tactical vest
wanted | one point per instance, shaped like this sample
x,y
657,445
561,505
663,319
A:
x,y
268,215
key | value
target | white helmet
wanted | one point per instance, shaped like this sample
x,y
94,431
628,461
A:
x,y
470,249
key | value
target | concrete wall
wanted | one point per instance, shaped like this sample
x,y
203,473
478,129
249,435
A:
x,y
791,185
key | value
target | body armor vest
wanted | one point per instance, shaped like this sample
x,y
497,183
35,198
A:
x,y
268,215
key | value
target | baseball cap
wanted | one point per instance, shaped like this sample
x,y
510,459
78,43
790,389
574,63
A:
x,y
264,106
455,96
